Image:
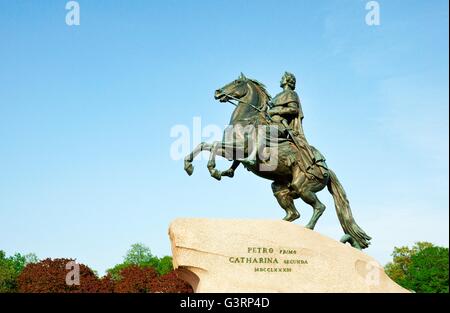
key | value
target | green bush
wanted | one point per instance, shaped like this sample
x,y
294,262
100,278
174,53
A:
x,y
10,269
428,271
422,268
142,256
140,271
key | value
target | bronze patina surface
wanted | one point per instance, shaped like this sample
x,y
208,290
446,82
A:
x,y
266,135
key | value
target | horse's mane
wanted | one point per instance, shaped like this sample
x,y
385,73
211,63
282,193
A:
x,y
262,91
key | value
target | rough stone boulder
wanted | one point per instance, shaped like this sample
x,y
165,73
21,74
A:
x,y
236,255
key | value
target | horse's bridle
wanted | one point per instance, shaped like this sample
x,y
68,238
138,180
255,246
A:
x,y
246,103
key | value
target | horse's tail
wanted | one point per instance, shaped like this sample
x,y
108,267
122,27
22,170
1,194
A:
x,y
358,238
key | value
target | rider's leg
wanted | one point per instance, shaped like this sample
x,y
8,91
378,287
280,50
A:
x,y
284,197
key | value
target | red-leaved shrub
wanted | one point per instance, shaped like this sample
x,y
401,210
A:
x,y
137,279
105,284
170,283
50,276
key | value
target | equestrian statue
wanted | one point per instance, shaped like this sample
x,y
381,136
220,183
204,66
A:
x,y
266,135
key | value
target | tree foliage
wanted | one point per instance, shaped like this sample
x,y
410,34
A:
x,y
170,283
140,272
428,271
165,265
422,268
137,279
140,255
10,269
49,275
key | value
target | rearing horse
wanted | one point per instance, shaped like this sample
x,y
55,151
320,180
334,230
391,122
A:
x,y
273,158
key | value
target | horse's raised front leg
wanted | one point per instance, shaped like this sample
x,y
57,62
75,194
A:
x,y
225,150
212,161
230,172
188,167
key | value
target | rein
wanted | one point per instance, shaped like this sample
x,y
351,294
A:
x,y
249,104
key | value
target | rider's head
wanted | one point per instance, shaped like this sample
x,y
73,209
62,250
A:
x,y
289,80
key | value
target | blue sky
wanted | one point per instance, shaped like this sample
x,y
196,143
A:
x,y
86,113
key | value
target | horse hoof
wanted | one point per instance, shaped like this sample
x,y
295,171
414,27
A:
x,y
228,174
216,175
347,238
189,169
295,216
291,217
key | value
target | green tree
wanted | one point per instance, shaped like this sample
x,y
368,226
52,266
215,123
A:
x,y
115,271
422,268
141,255
7,275
401,259
165,265
428,271
31,258
10,269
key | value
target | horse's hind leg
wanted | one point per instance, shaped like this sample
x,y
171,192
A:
x,y
311,198
306,188
188,167
284,197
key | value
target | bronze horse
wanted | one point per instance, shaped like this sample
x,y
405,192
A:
x,y
273,158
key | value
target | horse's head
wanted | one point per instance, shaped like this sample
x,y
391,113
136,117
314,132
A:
x,y
234,90
251,95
